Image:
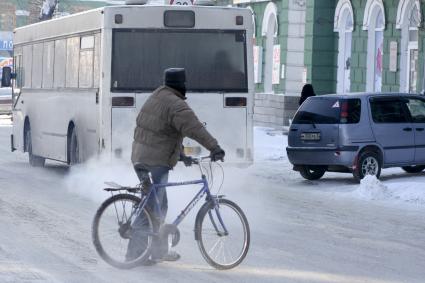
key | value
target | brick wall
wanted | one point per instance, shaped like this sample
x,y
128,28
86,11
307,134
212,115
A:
x,y
268,110
274,111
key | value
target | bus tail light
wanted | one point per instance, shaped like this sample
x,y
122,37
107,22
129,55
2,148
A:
x,y
235,101
118,19
239,20
240,152
123,101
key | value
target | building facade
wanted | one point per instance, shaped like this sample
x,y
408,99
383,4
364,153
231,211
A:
x,y
339,46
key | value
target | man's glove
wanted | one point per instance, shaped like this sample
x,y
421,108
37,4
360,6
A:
x,y
187,160
217,154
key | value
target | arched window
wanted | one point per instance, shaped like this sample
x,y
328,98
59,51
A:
x,y
374,23
408,20
344,25
269,31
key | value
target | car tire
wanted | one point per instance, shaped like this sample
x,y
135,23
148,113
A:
x,y
368,163
413,169
310,172
73,149
34,160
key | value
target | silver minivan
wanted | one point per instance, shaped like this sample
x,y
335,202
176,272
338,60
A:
x,y
358,133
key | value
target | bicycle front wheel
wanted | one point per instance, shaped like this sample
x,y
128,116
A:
x,y
115,236
222,233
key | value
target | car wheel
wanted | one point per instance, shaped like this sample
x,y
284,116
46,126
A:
x,y
310,172
369,163
413,169
74,152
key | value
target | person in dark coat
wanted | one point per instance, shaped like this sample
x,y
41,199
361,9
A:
x,y
164,120
306,92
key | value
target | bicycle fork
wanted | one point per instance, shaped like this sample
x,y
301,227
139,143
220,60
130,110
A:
x,y
224,231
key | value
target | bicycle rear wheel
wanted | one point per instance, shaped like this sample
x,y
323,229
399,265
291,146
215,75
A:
x,y
222,250
112,231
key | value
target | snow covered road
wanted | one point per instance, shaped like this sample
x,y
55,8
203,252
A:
x,y
331,230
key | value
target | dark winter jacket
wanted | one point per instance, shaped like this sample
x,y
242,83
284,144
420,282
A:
x,y
306,92
164,120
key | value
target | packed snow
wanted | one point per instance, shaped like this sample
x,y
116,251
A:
x,y
329,230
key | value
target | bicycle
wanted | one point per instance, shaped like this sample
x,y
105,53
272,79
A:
x,y
218,222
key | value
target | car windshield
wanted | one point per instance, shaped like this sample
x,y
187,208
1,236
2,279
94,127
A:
x,y
215,60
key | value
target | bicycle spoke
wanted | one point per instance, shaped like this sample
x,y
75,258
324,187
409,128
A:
x,y
224,251
231,248
214,246
124,214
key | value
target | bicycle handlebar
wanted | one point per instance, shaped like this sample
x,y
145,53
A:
x,y
197,160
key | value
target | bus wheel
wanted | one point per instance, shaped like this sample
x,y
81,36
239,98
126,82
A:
x,y
73,149
36,161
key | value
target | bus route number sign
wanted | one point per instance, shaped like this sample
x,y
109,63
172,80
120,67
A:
x,y
181,2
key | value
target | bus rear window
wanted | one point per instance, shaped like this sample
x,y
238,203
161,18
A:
x,y
215,60
326,110
179,19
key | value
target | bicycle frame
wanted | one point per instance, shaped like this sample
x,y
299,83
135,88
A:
x,y
204,190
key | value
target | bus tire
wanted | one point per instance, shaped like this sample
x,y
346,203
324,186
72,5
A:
x,y
34,160
73,148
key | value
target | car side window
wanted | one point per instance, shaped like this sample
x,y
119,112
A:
x,y
388,111
417,110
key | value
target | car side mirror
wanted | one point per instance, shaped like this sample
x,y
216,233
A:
x,y
6,79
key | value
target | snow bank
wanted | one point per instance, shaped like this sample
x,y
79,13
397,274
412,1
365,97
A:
x,y
371,188
409,192
269,144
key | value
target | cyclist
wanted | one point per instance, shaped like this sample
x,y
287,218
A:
x,y
164,120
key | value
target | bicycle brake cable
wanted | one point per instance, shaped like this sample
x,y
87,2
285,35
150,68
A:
x,y
222,179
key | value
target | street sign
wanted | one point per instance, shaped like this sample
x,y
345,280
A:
x,y
6,42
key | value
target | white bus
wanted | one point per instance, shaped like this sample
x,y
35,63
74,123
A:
x,y
83,78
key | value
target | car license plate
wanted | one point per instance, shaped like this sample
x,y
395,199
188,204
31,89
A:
x,y
310,136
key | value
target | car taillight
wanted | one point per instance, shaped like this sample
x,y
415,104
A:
x,y
344,112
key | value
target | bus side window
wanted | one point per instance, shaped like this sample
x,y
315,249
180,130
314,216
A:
x,y
48,60
59,64
72,61
27,62
86,62
96,68
17,65
37,65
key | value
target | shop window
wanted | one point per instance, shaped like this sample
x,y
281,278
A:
x,y
408,20
374,24
344,24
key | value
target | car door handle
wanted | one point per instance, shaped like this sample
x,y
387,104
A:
x,y
407,129
419,129
294,130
